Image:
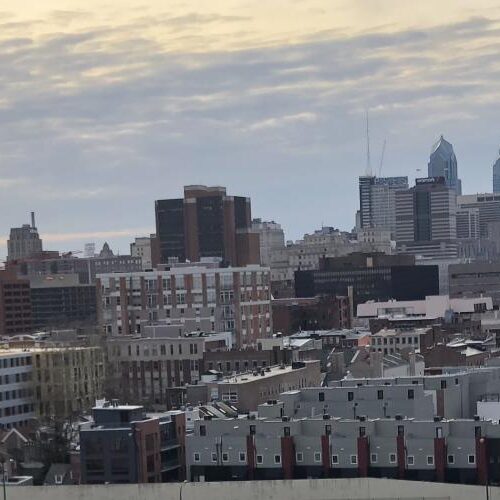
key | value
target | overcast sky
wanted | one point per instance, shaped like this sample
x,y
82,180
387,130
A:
x,y
103,111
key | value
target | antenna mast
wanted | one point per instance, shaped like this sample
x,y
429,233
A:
x,y
382,158
368,160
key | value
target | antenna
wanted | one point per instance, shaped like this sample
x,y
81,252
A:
x,y
382,158
368,160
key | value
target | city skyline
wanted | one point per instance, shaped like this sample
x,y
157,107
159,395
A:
x,y
102,113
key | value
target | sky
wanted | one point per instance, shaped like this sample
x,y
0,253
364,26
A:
x,y
107,106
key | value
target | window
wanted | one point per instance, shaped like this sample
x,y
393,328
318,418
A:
x,y
392,458
350,396
443,384
430,459
477,431
410,460
439,432
401,430
277,459
335,459
354,459
225,457
373,458
321,396
299,456
451,459
260,459
411,394
286,430
380,394
362,431
214,457
203,430
317,457
196,457
328,429
243,456
252,430
471,459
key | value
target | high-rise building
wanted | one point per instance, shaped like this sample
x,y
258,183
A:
x,y
443,163
426,223
377,201
15,305
488,206
271,237
496,176
24,241
206,223
141,247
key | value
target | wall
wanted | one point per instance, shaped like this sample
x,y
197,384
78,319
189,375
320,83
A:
x,y
333,489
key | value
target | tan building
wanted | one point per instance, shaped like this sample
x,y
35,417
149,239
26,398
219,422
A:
x,y
248,390
67,380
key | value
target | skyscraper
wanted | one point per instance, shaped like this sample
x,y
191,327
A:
x,y
426,219
206,223
377,201
443,163
496,175
24,241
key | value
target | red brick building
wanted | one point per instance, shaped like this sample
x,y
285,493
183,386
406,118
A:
x,y
15,304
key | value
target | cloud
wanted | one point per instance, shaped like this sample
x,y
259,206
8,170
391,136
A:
x,y
282,121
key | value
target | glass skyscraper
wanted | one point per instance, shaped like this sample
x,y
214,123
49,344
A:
x,y
443,163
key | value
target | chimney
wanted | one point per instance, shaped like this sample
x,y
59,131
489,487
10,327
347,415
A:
x,y
33,220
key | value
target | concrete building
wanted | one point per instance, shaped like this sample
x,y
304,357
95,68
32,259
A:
x,y
67,380
476,279
60,301
141,247
437,306
125,445
377,201
482,208
496,176
368,363
24,241
247,390
145,370
443,163
16,389
372,276
271,238
313,313
426,219
194,297
15,305
206,223
468,222
392,341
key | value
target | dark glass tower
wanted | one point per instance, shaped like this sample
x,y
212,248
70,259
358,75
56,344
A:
x,y
443,163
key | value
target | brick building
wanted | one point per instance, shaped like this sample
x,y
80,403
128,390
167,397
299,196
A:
x,y
15,305
207,223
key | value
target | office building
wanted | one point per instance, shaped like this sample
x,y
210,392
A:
x,y
370,277
443,163
496,176
16,389
377,201
61,301
271,238
475,279
206,223
246,391
24,241
485,205
426,222
468,221
313,313
125,445
15,304
194,297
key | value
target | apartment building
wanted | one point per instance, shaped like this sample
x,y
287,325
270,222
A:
x,y
195,297
277,446
67,380
392,341
16,389
125,445
246,391
146,369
